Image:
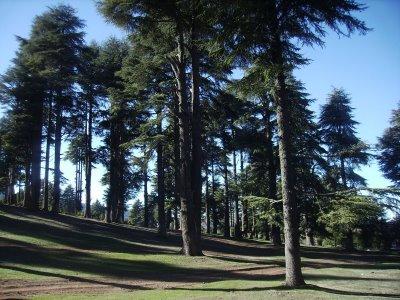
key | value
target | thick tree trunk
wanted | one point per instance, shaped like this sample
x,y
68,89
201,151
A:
x,y
57,157
349,241
36,155
227,229
162,230
188,223
47,158
88,158
294,276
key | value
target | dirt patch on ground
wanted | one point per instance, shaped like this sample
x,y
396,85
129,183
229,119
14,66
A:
x,y
17,289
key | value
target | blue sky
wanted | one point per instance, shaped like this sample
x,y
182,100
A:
x,y
367,67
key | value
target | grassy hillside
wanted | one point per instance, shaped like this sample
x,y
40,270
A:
x,y
45,257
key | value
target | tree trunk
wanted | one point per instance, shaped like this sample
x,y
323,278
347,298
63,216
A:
x,y
188,227
36,155
196,134
207,201
10,187
27,192
238,233
348,241
176,160
57,157
146,197
213,201
227,228
47,158
162,230
88,158
343,172
272,176
294,276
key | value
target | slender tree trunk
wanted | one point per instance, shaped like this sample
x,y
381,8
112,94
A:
x,y
207,201
146,198
245,222
272,176
176,160
11,183
47,158
227,228
36,156
238,233
343,172
213,201
196,134
27,192
57,157
88,165
162,230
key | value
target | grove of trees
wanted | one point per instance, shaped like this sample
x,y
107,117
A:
x,y
209,154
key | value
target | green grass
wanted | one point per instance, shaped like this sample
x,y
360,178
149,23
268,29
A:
x,y
38,247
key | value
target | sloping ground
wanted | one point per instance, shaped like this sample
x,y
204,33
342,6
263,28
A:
x,y
45,256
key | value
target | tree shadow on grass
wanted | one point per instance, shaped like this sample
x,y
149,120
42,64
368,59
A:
x,y
361,264
76,278
309,287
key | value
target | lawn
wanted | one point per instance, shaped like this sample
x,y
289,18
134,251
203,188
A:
x,y
45,257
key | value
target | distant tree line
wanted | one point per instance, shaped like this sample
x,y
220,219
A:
x,y
245,158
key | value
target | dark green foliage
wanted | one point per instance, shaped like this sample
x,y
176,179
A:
x,y
68,201
346,150
98,210
389,146
136,214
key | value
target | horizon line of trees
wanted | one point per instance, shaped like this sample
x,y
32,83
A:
x,y
234,157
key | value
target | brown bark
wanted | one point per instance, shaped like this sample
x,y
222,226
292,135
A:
x,y
36,155
207,201
294,276
227,228
27,192
213,202
176,160
57,157
146,197
272,175
190,242
245,214
196,133
88,157
237,231
160,184
47,158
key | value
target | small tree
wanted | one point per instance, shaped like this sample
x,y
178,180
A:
x,y
136,216
67,200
